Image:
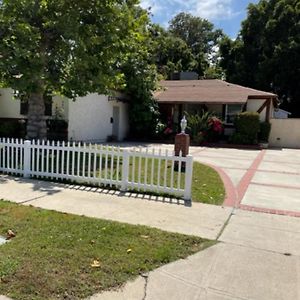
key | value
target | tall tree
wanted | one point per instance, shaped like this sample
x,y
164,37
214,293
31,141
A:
x,y
170,53
200,36
66,47
266,55
141,77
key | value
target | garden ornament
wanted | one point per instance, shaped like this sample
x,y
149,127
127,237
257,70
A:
x,y
183,124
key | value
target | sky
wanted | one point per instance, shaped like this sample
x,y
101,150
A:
x,y
224,14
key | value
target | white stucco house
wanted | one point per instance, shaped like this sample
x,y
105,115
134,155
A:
x,y
93,118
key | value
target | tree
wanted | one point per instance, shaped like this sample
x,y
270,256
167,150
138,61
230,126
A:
x,y
170,53
198,33
66,47
141,77
266,54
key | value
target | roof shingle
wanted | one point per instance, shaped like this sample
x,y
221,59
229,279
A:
x,y
206,91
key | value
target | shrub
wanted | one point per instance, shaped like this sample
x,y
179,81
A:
x,y
204,126
247,126
264,132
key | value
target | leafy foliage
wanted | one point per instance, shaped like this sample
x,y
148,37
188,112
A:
x,y
189,44
266,55
204,126
170,54
264,132
141,78
247,126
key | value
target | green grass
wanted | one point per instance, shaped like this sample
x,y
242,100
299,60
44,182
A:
x,y
51,256
207,185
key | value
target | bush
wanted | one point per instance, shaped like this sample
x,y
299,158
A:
x,y
247,126
204,127
264,132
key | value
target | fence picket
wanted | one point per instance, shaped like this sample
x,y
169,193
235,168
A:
x,y
111,166
158,171
100,162
47,156
179,171
52,158
146,167
152,167
73,159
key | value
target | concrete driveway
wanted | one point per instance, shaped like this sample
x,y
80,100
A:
x,y
256,180
267,180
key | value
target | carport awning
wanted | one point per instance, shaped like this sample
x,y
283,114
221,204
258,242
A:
x,y
207,92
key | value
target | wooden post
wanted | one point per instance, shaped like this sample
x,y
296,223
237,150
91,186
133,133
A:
x,y
268,110
182,145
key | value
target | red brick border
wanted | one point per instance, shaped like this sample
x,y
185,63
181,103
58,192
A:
x,y
270,211
234,195
231,198
245,181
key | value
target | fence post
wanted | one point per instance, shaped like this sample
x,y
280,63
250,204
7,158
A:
x,y
125,170
188,178
27,159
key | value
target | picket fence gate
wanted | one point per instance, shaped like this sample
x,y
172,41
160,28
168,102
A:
x,y
125,169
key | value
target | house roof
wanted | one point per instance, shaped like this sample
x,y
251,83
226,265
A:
x,y
206,92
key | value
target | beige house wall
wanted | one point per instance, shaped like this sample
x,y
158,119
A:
x,y
253,105
9,106
285,133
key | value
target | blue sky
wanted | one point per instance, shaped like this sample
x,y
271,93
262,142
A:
x,y
225,14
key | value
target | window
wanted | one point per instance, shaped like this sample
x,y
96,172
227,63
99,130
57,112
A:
x,y
48,106
232,110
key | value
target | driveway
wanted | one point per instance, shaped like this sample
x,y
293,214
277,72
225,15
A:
x,y
257,180
267,180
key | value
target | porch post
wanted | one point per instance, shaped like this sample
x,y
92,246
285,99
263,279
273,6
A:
x,y
268,110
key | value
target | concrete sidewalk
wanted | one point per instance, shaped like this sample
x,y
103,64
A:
x,y
258,258
201,220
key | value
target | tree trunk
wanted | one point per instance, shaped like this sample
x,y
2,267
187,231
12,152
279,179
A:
x,y
36,123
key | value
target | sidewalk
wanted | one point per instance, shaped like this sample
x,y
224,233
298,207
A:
x,y
258,258
201,220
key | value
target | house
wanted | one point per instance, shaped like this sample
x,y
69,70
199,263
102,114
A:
x,y
93,118
226,100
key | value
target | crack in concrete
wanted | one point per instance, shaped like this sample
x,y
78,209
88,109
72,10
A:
x,y
146,278
226,223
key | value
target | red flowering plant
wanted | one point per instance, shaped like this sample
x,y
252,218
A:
x,y
215,129
204,127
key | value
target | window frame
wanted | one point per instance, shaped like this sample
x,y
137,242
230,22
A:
x,y
231,114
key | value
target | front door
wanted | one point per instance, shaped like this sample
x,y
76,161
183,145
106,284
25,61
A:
x,y
116,121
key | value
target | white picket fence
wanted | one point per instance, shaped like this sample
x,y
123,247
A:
x,y
126,169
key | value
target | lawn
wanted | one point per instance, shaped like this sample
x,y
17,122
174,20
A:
x,y
207,185
63,256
